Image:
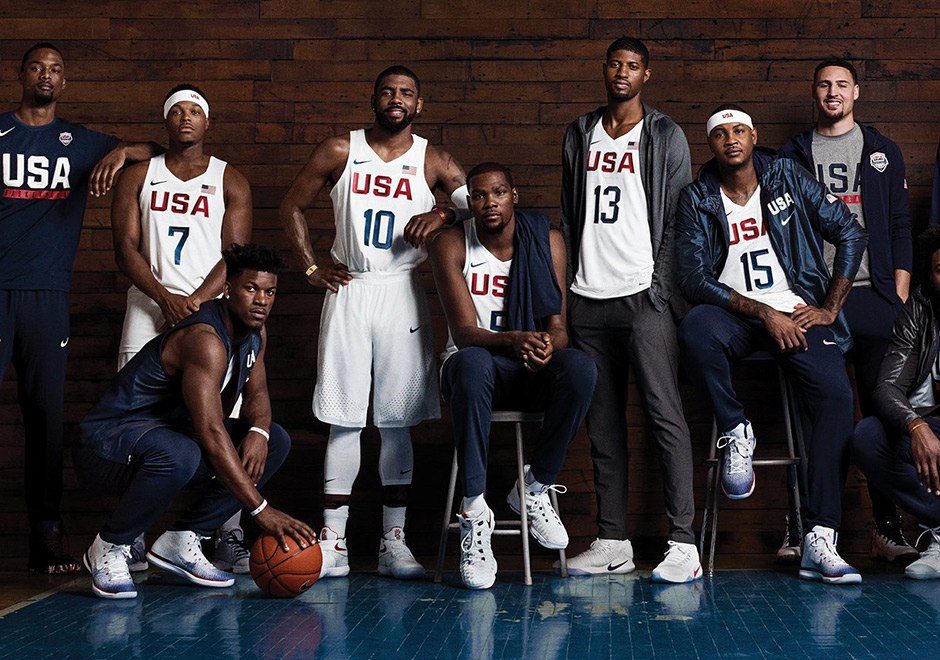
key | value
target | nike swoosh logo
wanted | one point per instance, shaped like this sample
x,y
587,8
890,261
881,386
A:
x,y
479,264
360,162
329,480
412,331
157,183
784,222
405,471
64,343
611,567
829,343
2,133
595,142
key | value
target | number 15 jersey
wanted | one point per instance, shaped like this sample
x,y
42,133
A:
x,y
373,201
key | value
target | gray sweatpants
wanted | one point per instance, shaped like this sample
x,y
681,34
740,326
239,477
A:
x,y
621,334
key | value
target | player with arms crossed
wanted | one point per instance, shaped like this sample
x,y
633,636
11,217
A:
x,y
749,239
49,165
375,317
172,216
163,424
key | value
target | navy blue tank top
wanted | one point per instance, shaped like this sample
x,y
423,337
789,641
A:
x,y
143,396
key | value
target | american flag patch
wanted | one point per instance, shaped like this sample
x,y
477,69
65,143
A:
x,y
409,169
633,146
209,190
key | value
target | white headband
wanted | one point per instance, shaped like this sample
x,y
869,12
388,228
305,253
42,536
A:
x,y
185,95
728,117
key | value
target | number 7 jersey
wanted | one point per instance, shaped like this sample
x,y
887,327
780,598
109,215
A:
x,y
181,224
373,201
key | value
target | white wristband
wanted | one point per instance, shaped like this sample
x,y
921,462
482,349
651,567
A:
x,y
260,431
261,507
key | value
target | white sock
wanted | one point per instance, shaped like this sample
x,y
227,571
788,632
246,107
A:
x,y
473,506
393,516
396,456
336,519
341,463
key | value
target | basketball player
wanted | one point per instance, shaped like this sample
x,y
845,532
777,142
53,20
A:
x,y
49,165
623,167
163,424
750,234
866,171
498,276
899,450
375,318
171,218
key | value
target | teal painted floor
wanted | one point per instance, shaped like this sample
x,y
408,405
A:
x,y
737,614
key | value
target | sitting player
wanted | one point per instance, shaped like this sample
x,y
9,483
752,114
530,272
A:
x,y
498,277
163,423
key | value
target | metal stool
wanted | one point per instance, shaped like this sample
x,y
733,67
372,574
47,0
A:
x,y
501,527
793,460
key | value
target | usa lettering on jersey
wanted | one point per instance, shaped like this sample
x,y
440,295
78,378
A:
x,y
34,177
380,186
746,230
179,203
487,286
607,162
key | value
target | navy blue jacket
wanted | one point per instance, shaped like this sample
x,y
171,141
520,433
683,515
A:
x,y
884,203
533,292
799,214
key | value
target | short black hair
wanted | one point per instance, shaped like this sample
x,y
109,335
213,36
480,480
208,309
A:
x,y
251,256
38,46
927,244
836,61
185,86
631,45
484,168
397,70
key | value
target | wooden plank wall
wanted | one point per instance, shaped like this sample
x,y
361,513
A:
x,y
501,81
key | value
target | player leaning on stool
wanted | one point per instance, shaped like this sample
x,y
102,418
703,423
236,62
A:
x,y
172,216
899,450
163,424
375,329
623,168
866,170
749,240
498,277
48,166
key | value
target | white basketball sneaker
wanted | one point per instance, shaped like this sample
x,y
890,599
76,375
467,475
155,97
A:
x,y
395,559
335,554
544,524
180,552
477,563
604,557
681,564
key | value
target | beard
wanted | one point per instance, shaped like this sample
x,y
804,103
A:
x,y
395,126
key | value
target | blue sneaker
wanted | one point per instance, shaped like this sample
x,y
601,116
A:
x,y
821,561
107,563
737,469
181,553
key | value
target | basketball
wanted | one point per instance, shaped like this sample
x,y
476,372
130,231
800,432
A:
x,y
284,574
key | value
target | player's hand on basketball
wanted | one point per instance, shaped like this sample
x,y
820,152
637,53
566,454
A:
x,y
254,452
420,228
925,449
786,333
105,172
279,525
806,316
536,359
330,277
175,308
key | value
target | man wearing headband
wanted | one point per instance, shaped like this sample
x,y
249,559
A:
x,y
172,216
48,165
866,171
375,329
750,234
624,165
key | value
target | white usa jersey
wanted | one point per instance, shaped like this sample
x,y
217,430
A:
x,y
487,279
181,224
373,201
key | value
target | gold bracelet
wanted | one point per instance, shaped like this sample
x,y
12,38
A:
x,y
915,427
311,270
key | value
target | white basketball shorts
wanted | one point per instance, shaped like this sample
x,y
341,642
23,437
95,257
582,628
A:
x,y
376,331
142,322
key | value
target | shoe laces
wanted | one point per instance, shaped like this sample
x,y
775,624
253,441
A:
x,y
890,529
538,502
934,547
677,552
740,451
397,549
473,535
114,561
600,548
825,550
236,542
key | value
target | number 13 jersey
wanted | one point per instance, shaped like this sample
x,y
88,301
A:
x,y
373,201
181,224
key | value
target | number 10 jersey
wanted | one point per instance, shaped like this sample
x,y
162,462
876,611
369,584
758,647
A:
x,y
373,201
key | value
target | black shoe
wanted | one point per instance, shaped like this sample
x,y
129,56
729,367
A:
x,y
46,553
888,542
791,550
